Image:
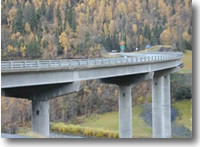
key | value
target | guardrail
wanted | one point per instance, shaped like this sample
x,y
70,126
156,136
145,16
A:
x,y
41,64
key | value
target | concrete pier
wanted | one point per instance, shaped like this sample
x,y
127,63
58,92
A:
x,y
125,111
125,84
166,107
161,107
40,117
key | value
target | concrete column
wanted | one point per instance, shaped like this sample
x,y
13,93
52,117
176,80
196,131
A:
x,y
161,107
125,111
156,107
40,117
166,107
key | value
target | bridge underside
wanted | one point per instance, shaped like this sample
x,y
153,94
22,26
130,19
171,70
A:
x,y
41,92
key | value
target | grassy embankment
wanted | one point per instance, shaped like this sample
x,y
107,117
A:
x,y
184,108
187,60
106,125
109,122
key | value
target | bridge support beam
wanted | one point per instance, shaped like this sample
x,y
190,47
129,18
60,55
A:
x,y
125,111
40,117
161,107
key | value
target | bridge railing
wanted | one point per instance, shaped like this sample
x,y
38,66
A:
x,y
40,64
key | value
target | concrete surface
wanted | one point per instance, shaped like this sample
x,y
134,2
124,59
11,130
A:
x,y
40,117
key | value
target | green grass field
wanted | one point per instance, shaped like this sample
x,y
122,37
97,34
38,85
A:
x,y
187,60
184,108
109,121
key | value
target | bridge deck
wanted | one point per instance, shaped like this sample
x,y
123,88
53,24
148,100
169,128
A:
x,y
45,72
38,65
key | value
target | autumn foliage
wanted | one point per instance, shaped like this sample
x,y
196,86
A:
x,y
72,28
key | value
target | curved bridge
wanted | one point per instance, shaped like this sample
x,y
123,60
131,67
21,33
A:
x,y
41,80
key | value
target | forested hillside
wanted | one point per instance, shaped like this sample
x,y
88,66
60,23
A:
x,y
83,28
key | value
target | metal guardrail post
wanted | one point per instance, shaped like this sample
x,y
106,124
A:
x,y
109,61
25,64
60,63
79,61
95,61
70,62
37,63
11,64
49,63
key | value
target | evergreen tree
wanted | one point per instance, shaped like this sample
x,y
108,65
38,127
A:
x,y
59,19
50,13
33,50
164,20
173,2
147,32
43,8
18,24
156,34
41,11
70,16
30,16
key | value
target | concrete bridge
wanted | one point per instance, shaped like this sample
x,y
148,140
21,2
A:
x,y
41,80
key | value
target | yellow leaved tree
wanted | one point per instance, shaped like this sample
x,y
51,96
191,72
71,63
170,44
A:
x,y
64,42
27,27
134,28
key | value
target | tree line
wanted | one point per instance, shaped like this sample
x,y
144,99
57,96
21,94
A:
x,y
83,28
